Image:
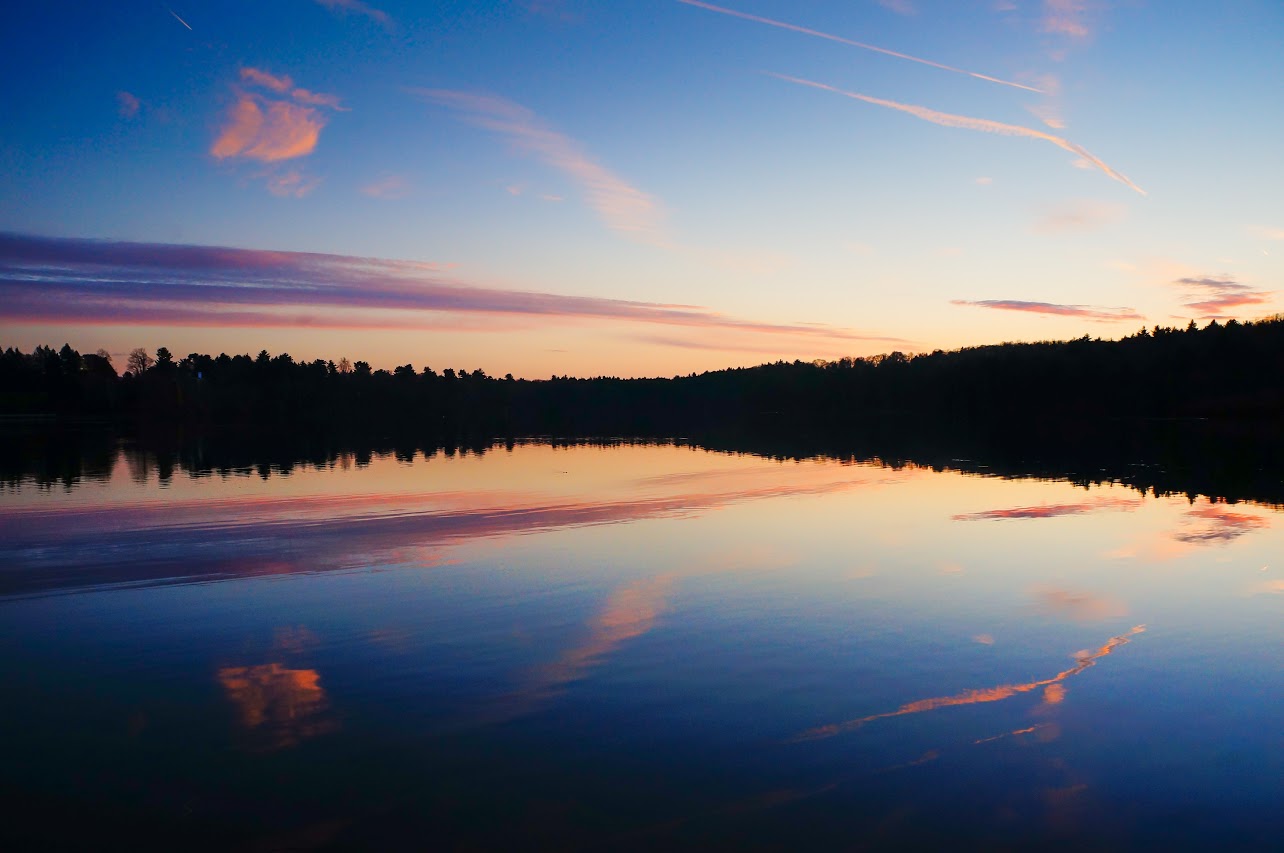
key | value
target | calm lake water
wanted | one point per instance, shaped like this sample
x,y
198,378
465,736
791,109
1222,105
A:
x,y
634,646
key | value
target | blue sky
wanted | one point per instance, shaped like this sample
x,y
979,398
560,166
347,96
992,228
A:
x,y
798,196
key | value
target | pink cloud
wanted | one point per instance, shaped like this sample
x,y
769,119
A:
x,y
1214,296
1087,312
268,131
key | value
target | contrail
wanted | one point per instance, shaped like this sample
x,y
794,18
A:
x,y
968,123
818,34
180,20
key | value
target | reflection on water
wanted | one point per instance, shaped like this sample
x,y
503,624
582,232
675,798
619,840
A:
x,y
1050,510
286,705
1054,694
1210,524
577,646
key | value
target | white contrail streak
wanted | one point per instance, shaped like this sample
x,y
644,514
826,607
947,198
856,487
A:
x,y
177,18
968,123
818,34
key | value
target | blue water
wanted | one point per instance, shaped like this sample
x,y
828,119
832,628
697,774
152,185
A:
x,y
635,646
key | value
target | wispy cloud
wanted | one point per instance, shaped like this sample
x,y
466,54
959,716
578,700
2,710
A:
x,y
900,7
257,77
127,104
1215,296
969,123
1079,215
357,7
1066,17
623,207
863,46
62,280
388,187
1088,312
292,184
284,85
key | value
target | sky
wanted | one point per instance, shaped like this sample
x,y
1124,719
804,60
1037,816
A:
x,y
637,187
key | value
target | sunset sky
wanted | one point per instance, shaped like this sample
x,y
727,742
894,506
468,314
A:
x,y
643,187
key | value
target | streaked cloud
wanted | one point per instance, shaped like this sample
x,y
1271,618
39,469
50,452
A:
x,y
65,280
127,104
862,45
1079,215
1051,510
1087,312
976,697
1214,296
359,8
623,207
970,123
388,187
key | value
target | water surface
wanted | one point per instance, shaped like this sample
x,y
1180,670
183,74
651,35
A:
x,y
634,646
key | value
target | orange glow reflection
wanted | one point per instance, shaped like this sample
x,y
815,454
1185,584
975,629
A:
x,y
1049,510
631,611
976,697
286,704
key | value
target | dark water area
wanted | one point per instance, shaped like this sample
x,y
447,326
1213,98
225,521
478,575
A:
x,y
1063,638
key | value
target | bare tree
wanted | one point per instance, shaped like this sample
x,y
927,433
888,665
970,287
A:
x,y
138,362
345,366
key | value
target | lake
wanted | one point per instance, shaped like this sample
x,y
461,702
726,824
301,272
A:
x,y
632,645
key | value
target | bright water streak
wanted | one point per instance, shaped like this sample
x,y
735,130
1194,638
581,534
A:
x,y
638,646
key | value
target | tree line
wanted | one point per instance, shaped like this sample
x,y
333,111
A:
x,y
1223,370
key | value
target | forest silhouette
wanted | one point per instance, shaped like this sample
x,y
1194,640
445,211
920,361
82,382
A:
x,y
1222,371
